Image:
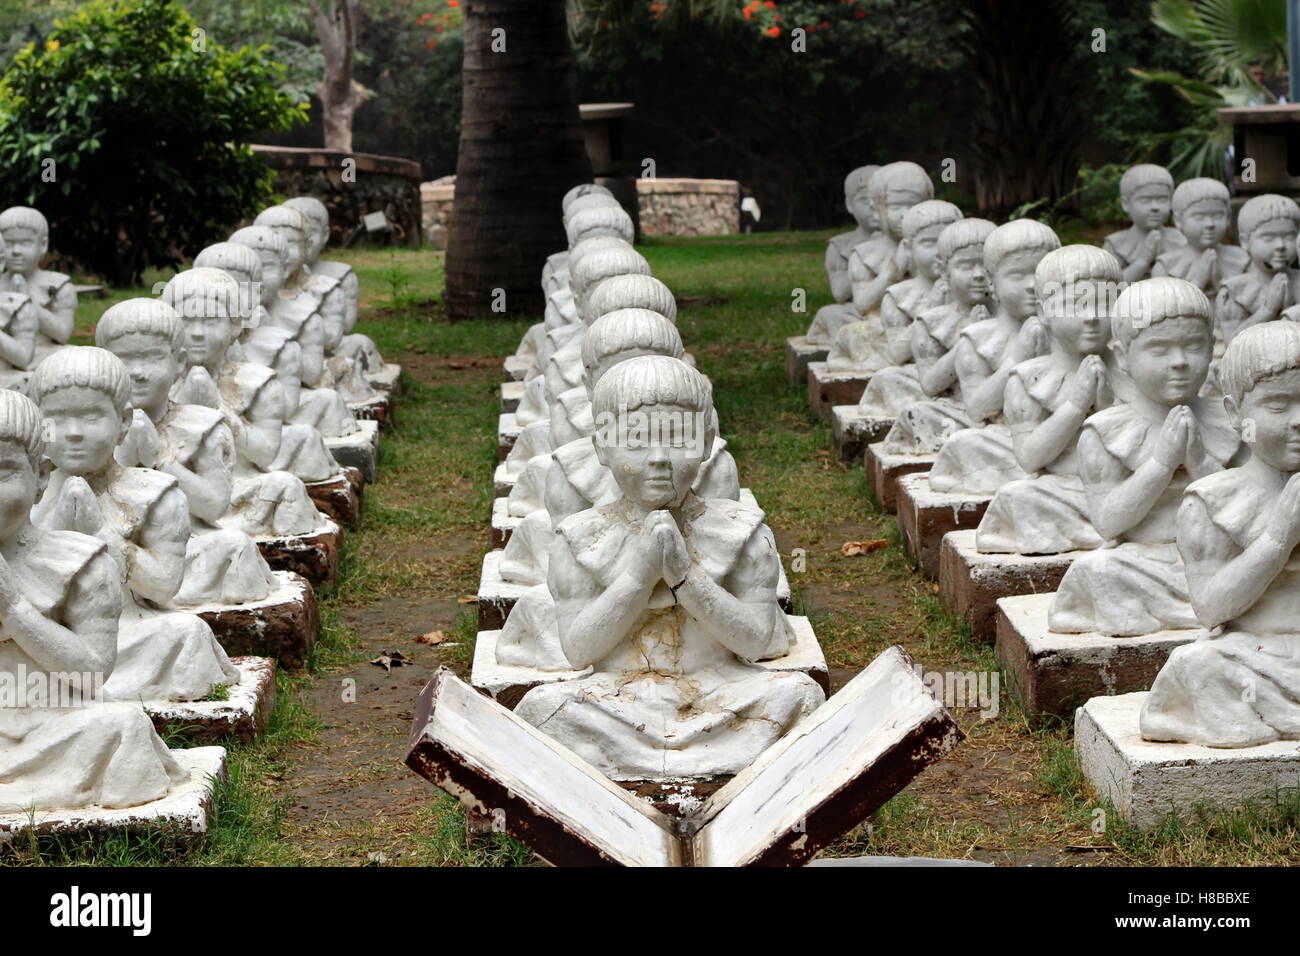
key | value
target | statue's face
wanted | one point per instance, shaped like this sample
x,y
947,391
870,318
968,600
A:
x,y
1149,206
85,429
656,455
207,337
272,275
1013,283
1168,361
152,365
293,239
897,201
1273,408
967,276
1272,244
23,250
925,251
1204,223
1078,316
863,210
18,488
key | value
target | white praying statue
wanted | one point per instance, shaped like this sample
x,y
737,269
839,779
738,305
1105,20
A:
x,y
61,597
670,598
26,235
921,427
1045,403
1136,459
1146,193
191,443
981,459
873,264
266,500
142,515
1237,533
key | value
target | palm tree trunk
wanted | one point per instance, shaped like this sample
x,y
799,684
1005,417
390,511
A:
x,y
521,148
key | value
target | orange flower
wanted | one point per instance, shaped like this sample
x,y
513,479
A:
x,y
772,31
430,43
453,3
770,4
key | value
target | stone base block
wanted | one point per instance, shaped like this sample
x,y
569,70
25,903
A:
x,y
284,626
503,523
1053,673
826,389
798,355
376,410
970,581
360,450
925,516
508,684
496,596
511,393
852,432
241,716
1146,781
339,499
180,817
502,481
387,380
516,367
507,431
315,556
883,471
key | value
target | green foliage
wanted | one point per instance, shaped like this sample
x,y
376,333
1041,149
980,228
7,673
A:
x,y
145,119
1228,39
1098,194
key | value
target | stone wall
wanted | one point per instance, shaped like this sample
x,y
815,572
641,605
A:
x,y
667,207
688,207
435,205
384,184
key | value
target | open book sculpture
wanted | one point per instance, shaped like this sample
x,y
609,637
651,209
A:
x,y
832,770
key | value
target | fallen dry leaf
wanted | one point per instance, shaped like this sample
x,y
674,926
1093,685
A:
x,y
853,548
390,659
467,599
432,638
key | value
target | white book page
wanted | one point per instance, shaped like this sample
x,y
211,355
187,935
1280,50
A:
x,y
832,747
548,776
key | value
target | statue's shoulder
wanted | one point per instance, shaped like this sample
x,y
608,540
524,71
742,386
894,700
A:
x,y
845,241
53,560
52,281
874,251
1234,503
1232,259
1122,432
1040,376
149,497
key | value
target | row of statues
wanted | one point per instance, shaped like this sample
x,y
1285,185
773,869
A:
x,y
141,476
1134,403
651,587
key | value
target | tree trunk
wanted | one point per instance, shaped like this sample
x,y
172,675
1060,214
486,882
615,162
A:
x,y
340,95
1025,135
521,149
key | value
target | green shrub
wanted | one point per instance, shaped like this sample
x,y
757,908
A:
x,y
128,128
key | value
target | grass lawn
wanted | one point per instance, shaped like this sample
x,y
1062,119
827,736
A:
x,y
326,784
